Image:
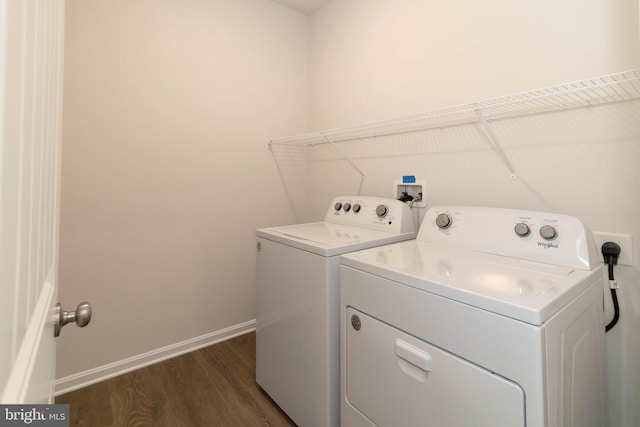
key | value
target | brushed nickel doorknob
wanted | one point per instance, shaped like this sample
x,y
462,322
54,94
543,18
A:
x,y
82,317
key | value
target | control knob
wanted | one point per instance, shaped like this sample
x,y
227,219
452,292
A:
x,y
337,206
522,229
548,232
382,211
346,207
443,221
356,208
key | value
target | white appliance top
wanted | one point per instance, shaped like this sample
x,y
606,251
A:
x,y
351,223
484,257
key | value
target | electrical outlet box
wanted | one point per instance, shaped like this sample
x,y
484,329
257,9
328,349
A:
x,y
416,189
624,240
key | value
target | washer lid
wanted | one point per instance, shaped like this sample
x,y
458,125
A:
x,y
524,290
328,239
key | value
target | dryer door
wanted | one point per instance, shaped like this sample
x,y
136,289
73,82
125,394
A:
x,y
394,379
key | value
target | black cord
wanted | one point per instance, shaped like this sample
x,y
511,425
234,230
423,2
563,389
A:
x,y
616,311
610,252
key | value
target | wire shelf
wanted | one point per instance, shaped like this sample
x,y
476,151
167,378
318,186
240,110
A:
x,y
610,88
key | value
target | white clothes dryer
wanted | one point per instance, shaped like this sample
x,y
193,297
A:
x,y
490,318
297,315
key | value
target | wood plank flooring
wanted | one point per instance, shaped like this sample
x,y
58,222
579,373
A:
x,y
214,386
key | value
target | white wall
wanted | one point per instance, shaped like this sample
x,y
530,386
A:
x,y
167,108
376,59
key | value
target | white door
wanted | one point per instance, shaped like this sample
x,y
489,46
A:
x,y
31,60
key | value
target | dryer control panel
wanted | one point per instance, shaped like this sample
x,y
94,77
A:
x,y
376,213
529,235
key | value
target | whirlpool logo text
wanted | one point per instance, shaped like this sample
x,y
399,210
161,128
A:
x,y
548,245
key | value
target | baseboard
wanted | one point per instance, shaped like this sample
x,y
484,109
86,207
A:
x,y
101,373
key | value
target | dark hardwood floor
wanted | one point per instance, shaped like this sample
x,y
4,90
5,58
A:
x,y
214,386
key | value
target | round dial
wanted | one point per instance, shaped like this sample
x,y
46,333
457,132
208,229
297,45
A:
x,y
337,206
443,221
522,229
548,232
356,208
382,211
346,207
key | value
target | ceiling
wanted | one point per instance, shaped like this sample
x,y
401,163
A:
x,y
306,7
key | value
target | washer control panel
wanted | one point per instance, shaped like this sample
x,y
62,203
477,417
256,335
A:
x,y
377,213
529,235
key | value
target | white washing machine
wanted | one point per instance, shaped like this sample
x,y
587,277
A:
x,y
297,315
490,318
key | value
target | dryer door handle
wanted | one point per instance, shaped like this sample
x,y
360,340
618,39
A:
x,y
413,355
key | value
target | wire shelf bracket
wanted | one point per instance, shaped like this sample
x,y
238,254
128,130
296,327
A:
x,y
348,160
496,144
